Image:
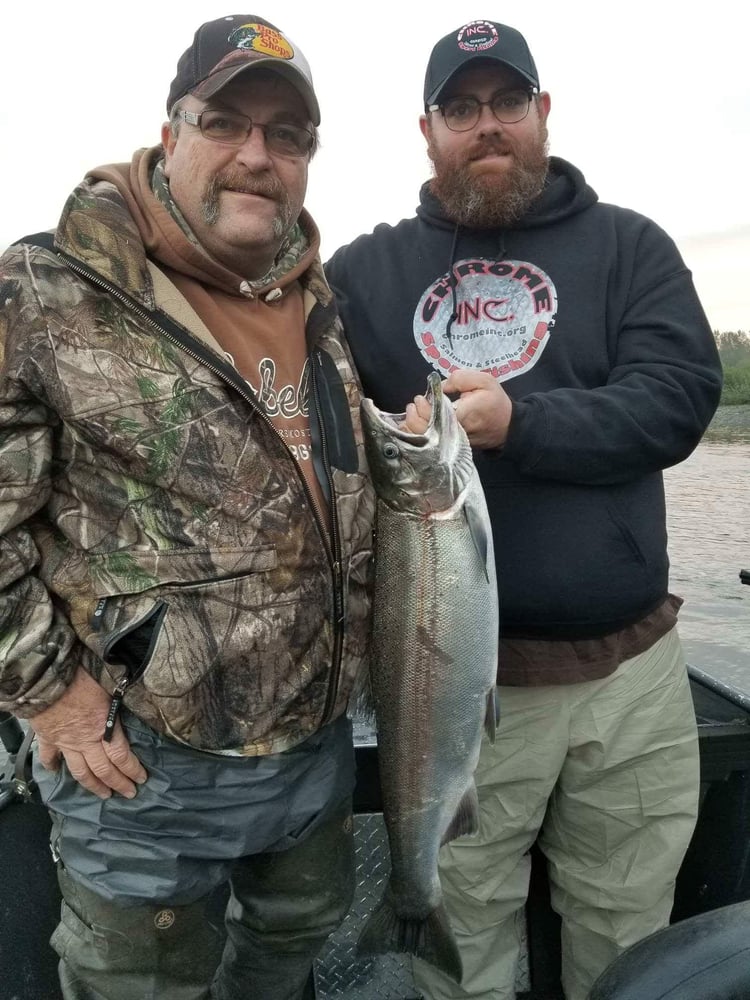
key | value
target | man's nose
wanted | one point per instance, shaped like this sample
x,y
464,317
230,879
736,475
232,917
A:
x,y
253,153
487,124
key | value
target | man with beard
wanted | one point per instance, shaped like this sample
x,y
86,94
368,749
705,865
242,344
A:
x,y
582,365
183,476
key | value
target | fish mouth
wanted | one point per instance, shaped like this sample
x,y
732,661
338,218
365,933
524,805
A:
x,y
417,474
394,422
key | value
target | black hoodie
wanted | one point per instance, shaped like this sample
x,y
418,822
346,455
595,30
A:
x,y
588,316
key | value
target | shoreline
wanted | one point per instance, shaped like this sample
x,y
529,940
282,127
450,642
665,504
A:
x,y
730,423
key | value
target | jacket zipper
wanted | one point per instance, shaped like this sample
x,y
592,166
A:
x,y
333,553
339,599
114,708
127,679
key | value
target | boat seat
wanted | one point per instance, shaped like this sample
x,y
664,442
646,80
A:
x,y
706,957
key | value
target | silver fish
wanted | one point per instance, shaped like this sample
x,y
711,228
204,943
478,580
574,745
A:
x,y
434,664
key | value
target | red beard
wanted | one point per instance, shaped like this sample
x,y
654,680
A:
x,y
490,199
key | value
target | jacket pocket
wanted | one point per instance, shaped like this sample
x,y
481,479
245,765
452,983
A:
x,y
134,646
169,636
131,571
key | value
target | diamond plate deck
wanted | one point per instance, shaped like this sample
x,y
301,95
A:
x,y
339,973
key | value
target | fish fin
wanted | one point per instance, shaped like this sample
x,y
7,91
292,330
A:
x,y
478,532
429,938
466,819
492,715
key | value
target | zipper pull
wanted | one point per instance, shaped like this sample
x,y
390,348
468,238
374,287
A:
x,y
96,618
338,591
114,707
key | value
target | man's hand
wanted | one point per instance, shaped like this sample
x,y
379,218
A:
x,y
73,727
417,416
483,407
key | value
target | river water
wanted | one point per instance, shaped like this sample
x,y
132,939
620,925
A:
x,y
708,519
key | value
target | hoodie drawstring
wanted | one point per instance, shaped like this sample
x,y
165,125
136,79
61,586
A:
x,y
452,278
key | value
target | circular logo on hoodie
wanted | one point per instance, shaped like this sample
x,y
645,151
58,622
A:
x,y
486,315
476,36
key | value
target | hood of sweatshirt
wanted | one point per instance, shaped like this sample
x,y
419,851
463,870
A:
x,y
565,193
169,241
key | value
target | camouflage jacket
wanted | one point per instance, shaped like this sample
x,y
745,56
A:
x,y
154,527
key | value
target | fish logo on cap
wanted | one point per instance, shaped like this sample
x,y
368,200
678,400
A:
x,y
261,39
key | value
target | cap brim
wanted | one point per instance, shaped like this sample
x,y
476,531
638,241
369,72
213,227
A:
x,y
217,81
436,92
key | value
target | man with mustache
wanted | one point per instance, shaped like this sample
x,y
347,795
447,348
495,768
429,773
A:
x,y
582,366
183,479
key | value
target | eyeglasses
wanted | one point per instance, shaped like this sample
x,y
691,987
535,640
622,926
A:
x,y
462,113
232,128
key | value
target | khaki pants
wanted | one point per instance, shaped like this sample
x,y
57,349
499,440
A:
x,y
605,774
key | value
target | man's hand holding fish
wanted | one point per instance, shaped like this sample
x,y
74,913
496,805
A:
x,y
483,408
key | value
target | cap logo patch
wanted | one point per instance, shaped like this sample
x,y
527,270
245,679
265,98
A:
x,y
260,38
477,36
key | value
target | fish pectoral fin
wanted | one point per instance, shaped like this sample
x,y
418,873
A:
x,y
466,819
492,715
478,532
429,938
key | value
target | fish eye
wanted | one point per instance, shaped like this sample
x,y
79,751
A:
x,y
390,450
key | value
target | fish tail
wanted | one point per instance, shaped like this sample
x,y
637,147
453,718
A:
x,y
429,938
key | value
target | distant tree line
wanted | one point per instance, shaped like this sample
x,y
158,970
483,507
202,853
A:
x,y
734,351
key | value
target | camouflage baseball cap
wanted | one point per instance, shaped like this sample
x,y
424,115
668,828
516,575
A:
x,y
228,46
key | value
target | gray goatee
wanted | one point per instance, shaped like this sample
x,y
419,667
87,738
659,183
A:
x,y
269,187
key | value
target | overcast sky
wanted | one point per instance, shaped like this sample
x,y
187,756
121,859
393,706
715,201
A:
x,y
650,99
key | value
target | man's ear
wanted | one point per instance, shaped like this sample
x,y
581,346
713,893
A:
x,y
168,140
543,104
424,127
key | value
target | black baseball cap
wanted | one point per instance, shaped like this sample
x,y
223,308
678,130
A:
x,y
228,46
477,40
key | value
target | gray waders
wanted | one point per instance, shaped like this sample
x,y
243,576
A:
x,y
141,878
